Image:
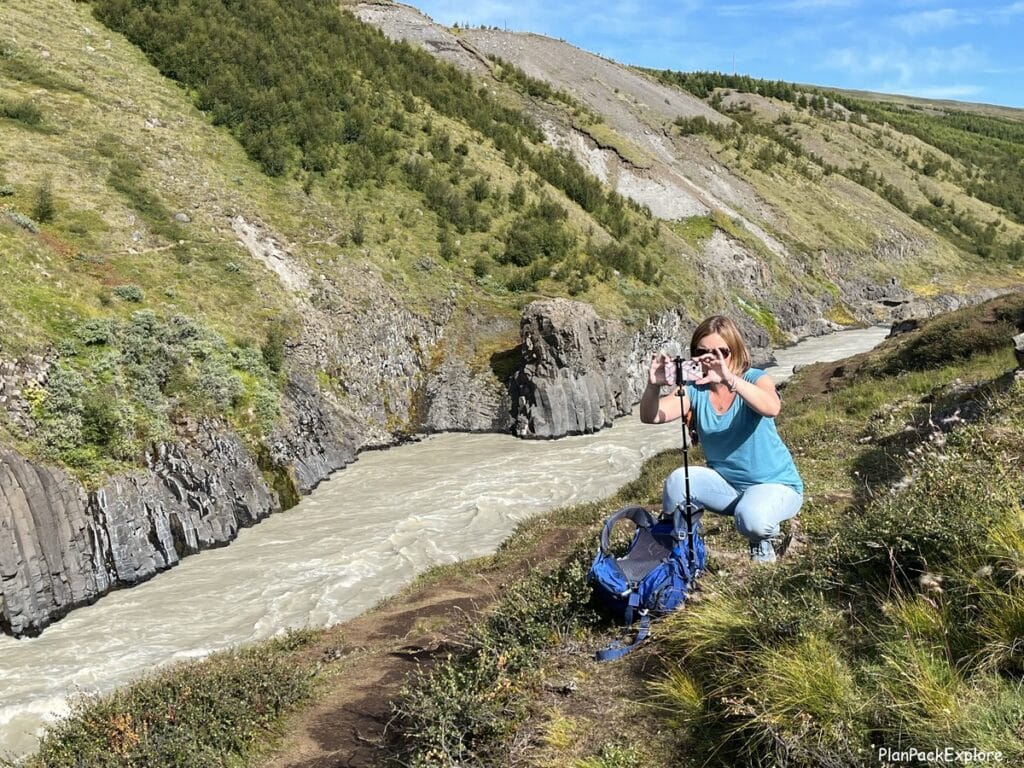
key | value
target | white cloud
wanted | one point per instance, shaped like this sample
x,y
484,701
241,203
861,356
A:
x,y
783,6
957,92
909,63
913,71
927,22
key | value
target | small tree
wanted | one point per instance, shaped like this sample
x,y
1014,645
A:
x,y
273,347
43,208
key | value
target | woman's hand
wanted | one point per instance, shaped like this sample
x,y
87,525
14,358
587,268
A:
x,y
655,409
716,369
656,374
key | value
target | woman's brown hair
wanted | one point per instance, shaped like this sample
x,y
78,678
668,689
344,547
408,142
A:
x,y
739,355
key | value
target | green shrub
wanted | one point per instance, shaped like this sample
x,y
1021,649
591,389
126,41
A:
x,y
273,347
358,231
481,265
191,715
540,233
103,405
615,755
23,221
24,111
700,124
131,293
43,207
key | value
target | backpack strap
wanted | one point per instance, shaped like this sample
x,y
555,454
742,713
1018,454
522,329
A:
x,y
640,516
685,528
620,648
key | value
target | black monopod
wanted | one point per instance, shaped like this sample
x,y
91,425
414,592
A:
x,y
678,361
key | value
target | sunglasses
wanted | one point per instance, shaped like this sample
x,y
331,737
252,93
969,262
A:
x,y
723,351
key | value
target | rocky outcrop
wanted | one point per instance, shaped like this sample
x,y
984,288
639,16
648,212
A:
x,y
47,546
62,547
458,399
573,379
312,440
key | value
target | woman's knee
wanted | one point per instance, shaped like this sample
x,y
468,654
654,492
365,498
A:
x,y
707,489
755,525
763,507
674,490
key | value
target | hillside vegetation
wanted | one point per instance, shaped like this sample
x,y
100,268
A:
x,y
351,109
953,156
265,190
823,193
380,177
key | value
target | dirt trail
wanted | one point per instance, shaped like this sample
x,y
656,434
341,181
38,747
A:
x,y
369,658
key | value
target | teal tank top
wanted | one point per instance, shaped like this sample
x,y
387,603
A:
x,y
740,444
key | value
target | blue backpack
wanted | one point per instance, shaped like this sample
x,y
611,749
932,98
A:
x,y
653,577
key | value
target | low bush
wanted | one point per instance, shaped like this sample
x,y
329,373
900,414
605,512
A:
x,y
23,111
23,221
467,707
132,293
121,389
192,715
43,206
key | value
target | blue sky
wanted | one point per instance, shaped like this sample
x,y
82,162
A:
x,y
965,51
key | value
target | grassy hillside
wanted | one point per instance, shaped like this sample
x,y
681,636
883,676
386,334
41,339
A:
x,y
149,316
897,622
383,178
348,110
956,172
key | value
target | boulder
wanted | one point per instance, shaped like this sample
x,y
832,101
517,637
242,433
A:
x,y
574,376
903,326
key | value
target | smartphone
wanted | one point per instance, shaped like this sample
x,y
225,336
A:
x,y
691,370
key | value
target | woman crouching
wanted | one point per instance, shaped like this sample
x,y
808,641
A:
x,y
750,473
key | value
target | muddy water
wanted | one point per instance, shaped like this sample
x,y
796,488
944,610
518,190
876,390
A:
x,y
359,537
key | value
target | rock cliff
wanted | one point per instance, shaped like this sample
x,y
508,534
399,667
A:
x,y
62,547
573,380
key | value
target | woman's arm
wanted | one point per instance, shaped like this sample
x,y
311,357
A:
x,y
655,409
761,396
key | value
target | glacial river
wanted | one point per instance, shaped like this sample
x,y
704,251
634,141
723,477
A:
x,y
361,536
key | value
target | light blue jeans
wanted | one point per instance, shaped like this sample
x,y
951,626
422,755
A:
x,y
757,510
